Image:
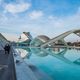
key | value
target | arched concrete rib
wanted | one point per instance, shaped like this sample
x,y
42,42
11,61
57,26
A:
x,y
62,36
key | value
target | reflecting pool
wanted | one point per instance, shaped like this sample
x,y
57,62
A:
x,y
61,67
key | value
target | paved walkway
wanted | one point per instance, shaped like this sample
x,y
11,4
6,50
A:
x,y
7,69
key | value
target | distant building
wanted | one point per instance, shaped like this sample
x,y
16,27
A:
x,y
25,38
2,38
36,44
39,40
3,41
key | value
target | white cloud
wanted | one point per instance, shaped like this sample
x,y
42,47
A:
x,y
17,8
73,21
55,21
3,19
36,14
1,2
53,25
67,23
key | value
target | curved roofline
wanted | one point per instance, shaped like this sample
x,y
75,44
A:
x,y
62,36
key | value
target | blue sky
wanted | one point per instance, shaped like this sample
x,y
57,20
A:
x,y
48,17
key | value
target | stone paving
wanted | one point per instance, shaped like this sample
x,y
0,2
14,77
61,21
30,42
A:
x,y
7,69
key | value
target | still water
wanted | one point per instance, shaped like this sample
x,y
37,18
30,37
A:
x,y
57,68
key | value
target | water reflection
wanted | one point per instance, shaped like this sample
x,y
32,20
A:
x,y
64,54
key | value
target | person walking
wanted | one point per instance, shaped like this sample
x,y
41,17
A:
x,y
7,48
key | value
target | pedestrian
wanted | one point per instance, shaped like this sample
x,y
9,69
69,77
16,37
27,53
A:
x,y
7,48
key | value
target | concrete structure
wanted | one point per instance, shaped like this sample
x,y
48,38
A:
x,y
25,37
10,36
43,41
7,68
41,48
2,38
39,40
13,67
43,38
3,41
62,36
36,43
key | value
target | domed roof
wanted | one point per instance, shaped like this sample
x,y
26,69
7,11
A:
x,y
36,43
43,38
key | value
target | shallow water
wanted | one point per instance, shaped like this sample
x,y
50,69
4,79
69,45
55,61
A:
x,y
57,68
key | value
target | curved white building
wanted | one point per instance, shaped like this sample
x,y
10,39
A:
x,y
25,38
